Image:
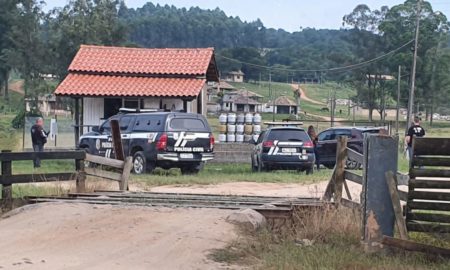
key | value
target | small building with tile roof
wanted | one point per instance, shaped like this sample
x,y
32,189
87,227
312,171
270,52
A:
x,y
283,105
104,79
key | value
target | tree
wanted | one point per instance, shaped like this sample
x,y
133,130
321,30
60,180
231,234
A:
x,y
6,17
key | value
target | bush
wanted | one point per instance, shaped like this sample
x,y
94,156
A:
x,y
19,120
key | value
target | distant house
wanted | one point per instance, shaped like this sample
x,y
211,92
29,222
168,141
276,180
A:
x,y
104,79
283,105
242,101
47,104
235,76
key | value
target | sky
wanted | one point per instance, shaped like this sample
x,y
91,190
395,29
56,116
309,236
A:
x,y
291,15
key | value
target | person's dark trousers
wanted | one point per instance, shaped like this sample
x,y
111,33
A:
x,y
317,159
37,148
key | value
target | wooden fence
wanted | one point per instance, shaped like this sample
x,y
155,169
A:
x,y
428,206
7,178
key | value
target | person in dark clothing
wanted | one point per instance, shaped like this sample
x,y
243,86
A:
x,y
313,135
414,131
39,138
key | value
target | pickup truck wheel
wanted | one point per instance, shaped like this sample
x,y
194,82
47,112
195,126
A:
x,y
352,164
193,169
139,163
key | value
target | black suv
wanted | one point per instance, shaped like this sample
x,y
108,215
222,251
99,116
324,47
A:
x,y
156,139
327,142
284,147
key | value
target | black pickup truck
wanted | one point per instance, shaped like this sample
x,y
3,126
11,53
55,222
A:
x,y
156,139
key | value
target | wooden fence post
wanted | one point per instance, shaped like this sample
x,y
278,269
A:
x,y
341,156
6,188
117,140
392,185
123,185
81,176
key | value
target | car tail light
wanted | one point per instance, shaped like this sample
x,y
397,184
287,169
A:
x,y
268,144
211,141
308,144
161,144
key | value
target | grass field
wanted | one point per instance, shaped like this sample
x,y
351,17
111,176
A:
x,y
278,89
321,92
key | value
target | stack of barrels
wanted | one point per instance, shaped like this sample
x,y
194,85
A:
x,y
239,128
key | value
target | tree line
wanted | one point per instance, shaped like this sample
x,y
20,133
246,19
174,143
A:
x,y
34,42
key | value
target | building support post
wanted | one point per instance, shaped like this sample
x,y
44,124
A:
x,y
77,121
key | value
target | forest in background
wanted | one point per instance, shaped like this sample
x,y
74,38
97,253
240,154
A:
x,y
34,42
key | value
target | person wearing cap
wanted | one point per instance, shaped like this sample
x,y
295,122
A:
x,y
414,131
38,138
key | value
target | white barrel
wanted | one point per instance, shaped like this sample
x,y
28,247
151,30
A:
x,y
231,128
255,137
231,118
231,137
247,138
249,118
248,129
256,129
240,118
239,129
239,138
223,118
222,138
257,118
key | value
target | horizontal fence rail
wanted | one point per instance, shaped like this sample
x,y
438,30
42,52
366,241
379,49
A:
x,y
428,205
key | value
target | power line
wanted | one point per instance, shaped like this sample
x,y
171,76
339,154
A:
x,y
343,68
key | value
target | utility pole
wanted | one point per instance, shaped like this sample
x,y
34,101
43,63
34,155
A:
x,y
272,95
413,74
397,116
333,106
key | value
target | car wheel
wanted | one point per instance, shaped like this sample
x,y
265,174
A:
x,y
139,163
352,164
193,169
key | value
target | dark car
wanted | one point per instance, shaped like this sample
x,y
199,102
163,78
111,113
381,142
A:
x,y
288,148
156,139
327,143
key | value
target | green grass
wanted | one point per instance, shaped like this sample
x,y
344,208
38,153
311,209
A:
x,y
278,89
13,105
9,137
224,173
321,92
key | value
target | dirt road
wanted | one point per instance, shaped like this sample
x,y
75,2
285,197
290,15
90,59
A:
x,y
304,97
81,236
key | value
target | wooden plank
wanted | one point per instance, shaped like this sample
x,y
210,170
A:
x,y
399,220
31,178
77,154
402,179
123,185
347,190
103,174
351,176
431,146
437,206
341,156
429,195
431,161
350,204
353,155
117,140
81,177
429,217
428,227
329,190
414,173
413,246
428,183
105,161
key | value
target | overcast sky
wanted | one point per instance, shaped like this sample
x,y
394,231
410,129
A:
x,y
290,15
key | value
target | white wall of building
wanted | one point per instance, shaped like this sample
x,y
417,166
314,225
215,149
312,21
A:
x,y
93,111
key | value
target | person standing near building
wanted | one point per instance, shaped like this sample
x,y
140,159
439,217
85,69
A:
x,y
38,138
414,131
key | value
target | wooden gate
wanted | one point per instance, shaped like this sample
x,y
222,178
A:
x,y
428,206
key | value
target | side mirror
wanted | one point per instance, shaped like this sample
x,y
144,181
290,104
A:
x,y
96,129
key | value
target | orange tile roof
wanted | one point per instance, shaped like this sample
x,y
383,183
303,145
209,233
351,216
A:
x,y
122,60
100,85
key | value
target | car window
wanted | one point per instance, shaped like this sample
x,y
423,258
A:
x,y
149,123
190,124
326,135
342,133
124,122
288,135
